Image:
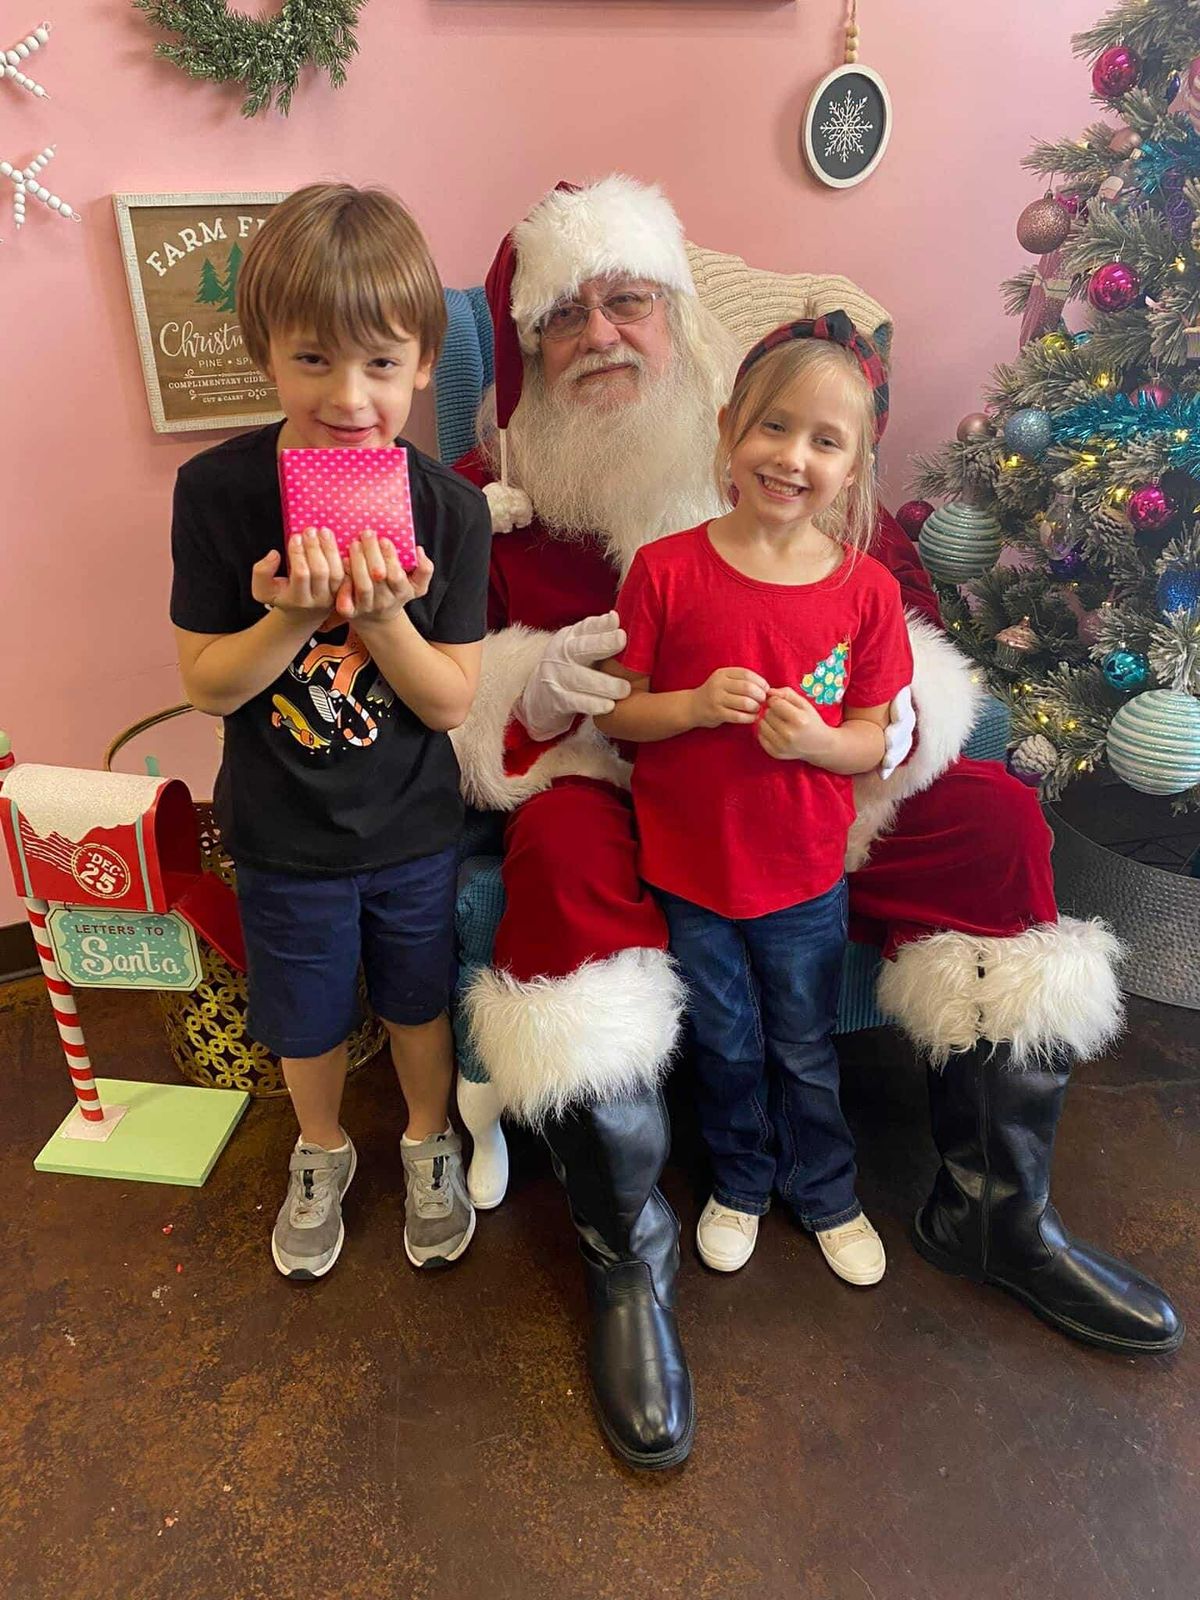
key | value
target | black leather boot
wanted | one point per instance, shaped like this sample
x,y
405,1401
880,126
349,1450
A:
x,y
609,1157
990,1217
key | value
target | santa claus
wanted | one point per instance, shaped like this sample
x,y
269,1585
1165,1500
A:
x,y
609,375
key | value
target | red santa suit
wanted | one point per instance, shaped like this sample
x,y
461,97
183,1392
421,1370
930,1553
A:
x,y
949,864
947,847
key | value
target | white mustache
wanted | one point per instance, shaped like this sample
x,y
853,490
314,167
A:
x,y
599,362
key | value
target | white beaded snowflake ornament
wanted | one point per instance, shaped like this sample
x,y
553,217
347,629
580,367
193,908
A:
x,y
13,58
25,182
849,118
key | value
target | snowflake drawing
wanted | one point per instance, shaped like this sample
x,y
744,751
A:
x,y
846,126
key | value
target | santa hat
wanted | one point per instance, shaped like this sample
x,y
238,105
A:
x,y
614,226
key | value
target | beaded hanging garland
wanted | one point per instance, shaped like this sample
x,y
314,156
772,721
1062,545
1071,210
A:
x,y
265,54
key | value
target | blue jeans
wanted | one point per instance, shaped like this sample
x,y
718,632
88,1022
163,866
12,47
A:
x,y
763,1004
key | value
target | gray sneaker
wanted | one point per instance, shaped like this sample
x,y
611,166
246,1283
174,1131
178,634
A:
x,y
438,1217
308,1230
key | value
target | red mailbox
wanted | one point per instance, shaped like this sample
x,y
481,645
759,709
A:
x,y
141,856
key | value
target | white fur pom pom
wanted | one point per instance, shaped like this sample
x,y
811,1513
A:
x,y
510,507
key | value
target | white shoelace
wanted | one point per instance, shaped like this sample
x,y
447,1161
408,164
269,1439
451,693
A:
x,y
725,1217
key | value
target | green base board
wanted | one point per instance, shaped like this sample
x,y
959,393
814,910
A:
x,y
169,1134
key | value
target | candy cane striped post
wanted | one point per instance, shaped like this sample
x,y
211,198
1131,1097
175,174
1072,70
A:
x,y
97,1123
62,1001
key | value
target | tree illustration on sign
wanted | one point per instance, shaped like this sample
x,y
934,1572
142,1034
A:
x,y
212,290
215,290
231,277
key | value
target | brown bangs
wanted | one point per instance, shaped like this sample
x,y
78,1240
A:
x,y
349,265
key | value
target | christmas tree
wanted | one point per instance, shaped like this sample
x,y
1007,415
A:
x,y
1068,555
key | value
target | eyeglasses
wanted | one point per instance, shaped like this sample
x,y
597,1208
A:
x,y
570,318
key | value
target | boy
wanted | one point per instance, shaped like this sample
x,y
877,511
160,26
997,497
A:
x,y
338,793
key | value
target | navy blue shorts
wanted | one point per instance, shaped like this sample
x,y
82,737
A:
x,y
305,938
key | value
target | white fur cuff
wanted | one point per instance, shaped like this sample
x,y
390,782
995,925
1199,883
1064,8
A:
x,y
605,1030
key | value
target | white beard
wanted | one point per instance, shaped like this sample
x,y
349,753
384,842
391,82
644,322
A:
x,y
629,472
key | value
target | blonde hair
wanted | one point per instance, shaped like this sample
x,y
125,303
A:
x,y
851,517
348,265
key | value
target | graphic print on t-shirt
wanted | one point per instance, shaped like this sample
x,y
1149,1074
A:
x,y
331,673
826,683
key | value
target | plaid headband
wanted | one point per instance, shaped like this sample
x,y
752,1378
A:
x,y
837,328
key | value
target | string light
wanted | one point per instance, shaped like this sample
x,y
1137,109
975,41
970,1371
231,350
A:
x,y
1181,435
1179,264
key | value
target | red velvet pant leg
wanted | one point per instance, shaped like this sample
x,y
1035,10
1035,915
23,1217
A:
x,y
571,882
970,854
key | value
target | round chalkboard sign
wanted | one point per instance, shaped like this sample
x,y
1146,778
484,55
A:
x,y
847,126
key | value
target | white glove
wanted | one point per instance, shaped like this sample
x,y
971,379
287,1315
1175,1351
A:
x,y
564,683
510,507
898,735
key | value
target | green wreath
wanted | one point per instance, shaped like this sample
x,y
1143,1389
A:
x,y
265,54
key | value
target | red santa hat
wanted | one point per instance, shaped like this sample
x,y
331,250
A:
x,y
614,226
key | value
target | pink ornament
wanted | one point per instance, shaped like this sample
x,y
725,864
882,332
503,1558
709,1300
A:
x,y
1153,394
1116,72
1114,287
1186,103
911,516
1073,204
1149,508
1089,627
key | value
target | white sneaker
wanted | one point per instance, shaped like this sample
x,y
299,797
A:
x,y
854,1251
725,1238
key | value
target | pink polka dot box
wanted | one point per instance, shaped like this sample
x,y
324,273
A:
x,y
348,491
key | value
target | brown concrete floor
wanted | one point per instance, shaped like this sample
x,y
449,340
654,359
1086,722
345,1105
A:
x,y
224,1435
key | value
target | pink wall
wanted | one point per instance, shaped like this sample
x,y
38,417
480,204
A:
x,y
471,108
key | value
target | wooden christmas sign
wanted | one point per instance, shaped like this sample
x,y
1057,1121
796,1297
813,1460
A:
x,y
182,256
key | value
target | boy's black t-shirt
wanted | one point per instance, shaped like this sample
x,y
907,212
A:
x,y
326,772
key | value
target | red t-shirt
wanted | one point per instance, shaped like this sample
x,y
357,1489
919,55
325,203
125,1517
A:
x,y
722,823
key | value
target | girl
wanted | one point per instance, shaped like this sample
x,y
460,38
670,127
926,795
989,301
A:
x,y
763,649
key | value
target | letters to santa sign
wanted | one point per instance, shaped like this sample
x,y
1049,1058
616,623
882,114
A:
x,y
129,950
847,126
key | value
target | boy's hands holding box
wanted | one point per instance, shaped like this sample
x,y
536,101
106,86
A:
x,y
349,526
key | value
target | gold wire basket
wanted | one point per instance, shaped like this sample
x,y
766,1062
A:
x,y
206,1027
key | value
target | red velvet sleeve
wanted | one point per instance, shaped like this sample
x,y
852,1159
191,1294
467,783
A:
x,y
898,553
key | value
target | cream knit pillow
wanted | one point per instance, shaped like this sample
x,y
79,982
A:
x,y
750,301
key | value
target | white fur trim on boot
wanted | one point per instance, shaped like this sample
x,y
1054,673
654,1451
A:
x,y
947,694
613,227
509,658
1049,989
487,1176
606,1029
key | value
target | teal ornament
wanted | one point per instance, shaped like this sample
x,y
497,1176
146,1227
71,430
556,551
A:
x,y
1178,590
1082,337
960,542
1029,432
1126,670
1154,742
